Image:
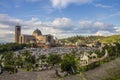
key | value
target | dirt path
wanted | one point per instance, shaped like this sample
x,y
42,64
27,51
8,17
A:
x,y
22,75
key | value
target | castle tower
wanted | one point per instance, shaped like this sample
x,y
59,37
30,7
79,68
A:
x,y
17,33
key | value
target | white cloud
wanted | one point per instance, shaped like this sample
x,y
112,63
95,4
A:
x,y
4,26
117,29
4,34
61,27
64,3
7,24
62,22
103,6
103,33
92,27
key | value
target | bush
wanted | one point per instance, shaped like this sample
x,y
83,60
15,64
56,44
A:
x,y
90,66
83,68
10,69
69,63
54,59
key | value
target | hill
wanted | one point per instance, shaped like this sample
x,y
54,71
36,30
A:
x,y
91,39
81,39
110,39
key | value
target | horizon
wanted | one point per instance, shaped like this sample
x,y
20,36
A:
x,y
61,18
5,42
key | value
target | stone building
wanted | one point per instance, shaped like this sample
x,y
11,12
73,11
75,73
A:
x,y
36,38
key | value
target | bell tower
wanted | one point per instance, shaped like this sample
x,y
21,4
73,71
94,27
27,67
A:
x,y
17,33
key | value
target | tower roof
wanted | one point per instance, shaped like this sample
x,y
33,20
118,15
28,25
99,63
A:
x,y
37,31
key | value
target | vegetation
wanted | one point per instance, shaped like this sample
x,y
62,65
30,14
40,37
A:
x,y
113,52
81,39
11,47
69,63
110,39
91,39
54,59
12,62
28,60
9,62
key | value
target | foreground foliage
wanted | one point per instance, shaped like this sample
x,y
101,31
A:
x,y
69,63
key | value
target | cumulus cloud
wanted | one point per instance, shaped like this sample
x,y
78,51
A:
x,y
92,27
60,27
117,29
63,23
8,23
64,3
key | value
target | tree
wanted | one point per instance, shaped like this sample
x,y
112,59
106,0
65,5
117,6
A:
x,y
18,61
11,47
54,59
9,58
42,57
28,60
9,62
69,63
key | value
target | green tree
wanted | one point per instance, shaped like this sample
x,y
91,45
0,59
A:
x,y
9,62
69,63
18,61
54,59
28,60
9,58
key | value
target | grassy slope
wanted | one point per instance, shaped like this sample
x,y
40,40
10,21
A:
x,y
109,39
83,39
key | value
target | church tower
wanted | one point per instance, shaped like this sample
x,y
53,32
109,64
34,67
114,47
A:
x,y
17,33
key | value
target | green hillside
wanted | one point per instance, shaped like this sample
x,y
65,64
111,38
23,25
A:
x,y
90,39
110,39
81,39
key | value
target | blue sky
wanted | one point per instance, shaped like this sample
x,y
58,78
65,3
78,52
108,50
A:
x,y
62,18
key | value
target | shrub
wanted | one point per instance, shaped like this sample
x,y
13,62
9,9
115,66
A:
x,y
10,69
69,63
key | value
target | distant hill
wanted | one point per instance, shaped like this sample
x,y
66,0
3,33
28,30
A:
x,y
110,39
81,39
90,39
